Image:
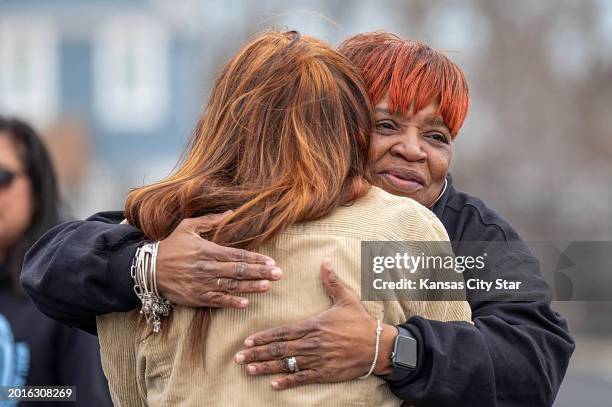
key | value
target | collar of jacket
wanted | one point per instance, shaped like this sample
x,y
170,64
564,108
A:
x,y
438,207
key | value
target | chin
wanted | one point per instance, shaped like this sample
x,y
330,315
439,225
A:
x,y
418,196
395,191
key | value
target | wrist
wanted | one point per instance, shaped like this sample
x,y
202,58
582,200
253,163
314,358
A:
x,y
387,342
163,285
119,265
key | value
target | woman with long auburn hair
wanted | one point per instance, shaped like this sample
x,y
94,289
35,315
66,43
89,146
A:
x,y
268,146
283,144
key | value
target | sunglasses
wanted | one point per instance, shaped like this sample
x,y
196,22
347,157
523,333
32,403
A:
x,y
7,177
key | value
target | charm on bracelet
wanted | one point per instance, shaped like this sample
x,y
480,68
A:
x,y
144,274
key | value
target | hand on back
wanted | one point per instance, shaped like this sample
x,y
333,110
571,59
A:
x,y
195,272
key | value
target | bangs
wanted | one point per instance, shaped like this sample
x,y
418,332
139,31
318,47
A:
x,y
412,74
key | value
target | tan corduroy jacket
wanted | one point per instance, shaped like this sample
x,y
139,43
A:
x,y
156,372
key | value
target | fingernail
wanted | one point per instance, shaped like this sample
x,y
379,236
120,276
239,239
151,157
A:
x,y
270,262
227,212
251,369
248,342
276,272
239,358
327,262
264,284
244,302
274,385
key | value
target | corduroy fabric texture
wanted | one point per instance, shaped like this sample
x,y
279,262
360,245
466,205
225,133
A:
x,y
158,371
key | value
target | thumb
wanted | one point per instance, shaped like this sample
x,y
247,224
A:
x,y
335,288
206,223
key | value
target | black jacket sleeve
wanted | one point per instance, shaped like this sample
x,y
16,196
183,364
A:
x,y
81,269
514,354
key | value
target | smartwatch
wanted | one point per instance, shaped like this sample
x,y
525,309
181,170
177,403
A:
x,y
404,350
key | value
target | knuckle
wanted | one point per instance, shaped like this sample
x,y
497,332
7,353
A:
x,y
214,298
240,270
204,223
231,284
314,325
282,333
206,298
265,272
301,376
313,343
326,374
205,249
254,286
191,292
277,349
253,355
287,382
194,268
259,340
203,266
255,258
272,367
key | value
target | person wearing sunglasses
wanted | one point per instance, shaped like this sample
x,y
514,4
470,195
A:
x,y
34,349
7,177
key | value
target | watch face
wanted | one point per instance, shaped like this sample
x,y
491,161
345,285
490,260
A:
x,y
405,354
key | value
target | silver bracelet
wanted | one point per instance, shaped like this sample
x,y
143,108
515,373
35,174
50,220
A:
x,y
378,332
144,274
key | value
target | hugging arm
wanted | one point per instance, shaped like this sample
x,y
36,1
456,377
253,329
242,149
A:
x,y
80,270
515,353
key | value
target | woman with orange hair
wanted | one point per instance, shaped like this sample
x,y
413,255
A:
x,y
283,143
517,350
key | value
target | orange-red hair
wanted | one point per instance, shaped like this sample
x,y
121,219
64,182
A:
x,y
412,73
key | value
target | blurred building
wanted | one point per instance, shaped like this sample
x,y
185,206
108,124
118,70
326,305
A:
x,y
117,86
130,77
109,82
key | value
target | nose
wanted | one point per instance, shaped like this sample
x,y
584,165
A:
x,y
408,147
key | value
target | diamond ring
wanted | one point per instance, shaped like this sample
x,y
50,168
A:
x,y
291,364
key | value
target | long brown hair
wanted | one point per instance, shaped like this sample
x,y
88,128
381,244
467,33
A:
x,y
284,139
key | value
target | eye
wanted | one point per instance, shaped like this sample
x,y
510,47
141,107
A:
x,y
386,126
439,137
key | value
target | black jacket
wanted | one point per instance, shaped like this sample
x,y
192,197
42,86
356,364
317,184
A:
x,y
515,353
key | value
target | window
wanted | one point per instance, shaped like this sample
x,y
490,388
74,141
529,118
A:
x,y
29,68
131,73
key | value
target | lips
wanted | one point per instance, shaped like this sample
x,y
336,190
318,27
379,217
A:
x,y
407,181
